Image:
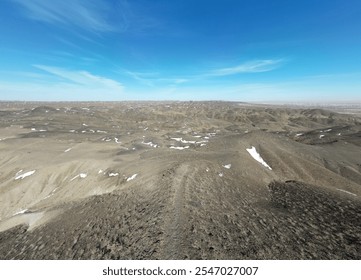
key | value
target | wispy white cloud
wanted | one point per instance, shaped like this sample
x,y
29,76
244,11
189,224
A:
x,y
83,78
153,79
254,66
67,85
90,15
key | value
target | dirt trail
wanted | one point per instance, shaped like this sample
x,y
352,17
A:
x,y
174,229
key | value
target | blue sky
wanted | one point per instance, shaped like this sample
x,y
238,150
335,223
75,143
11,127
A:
x,y
241,50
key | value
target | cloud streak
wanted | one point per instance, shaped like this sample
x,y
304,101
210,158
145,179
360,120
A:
x,y
68,85
85,14
154,79
254,66
83,78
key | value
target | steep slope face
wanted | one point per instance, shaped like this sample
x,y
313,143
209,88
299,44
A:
x,y
178,181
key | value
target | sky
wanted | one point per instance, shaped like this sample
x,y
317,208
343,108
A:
x,y
236,50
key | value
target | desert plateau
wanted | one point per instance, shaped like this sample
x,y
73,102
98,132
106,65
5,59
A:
x,y
179,180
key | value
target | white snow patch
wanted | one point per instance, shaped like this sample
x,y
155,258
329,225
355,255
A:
x,y
299,134
183,141
347,192
113,174
33,129
150,144
26,174
178,148
72,130
132,177
17,173
227,166
220,174
42,130
188,142
253,152
207,169
85,124
81,175
100,171
328,130
20,212
101,131
117,140
203,145
67,150
321,136
339,134
145,129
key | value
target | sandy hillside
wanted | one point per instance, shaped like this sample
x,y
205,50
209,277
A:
x,y
178,180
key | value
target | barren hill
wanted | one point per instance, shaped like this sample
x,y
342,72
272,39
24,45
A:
x,y
178,180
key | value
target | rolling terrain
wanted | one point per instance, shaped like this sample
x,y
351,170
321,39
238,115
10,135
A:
x,y
178,180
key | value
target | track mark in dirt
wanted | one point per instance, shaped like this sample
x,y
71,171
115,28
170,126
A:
x,y
174,230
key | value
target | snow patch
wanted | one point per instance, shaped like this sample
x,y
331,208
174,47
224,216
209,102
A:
x,y
117,140
150,144
20,212
321,136
227,166
132,177
253,152
81,175
67,150
299,134
26,174
113,174
220,174
178,148
347,192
